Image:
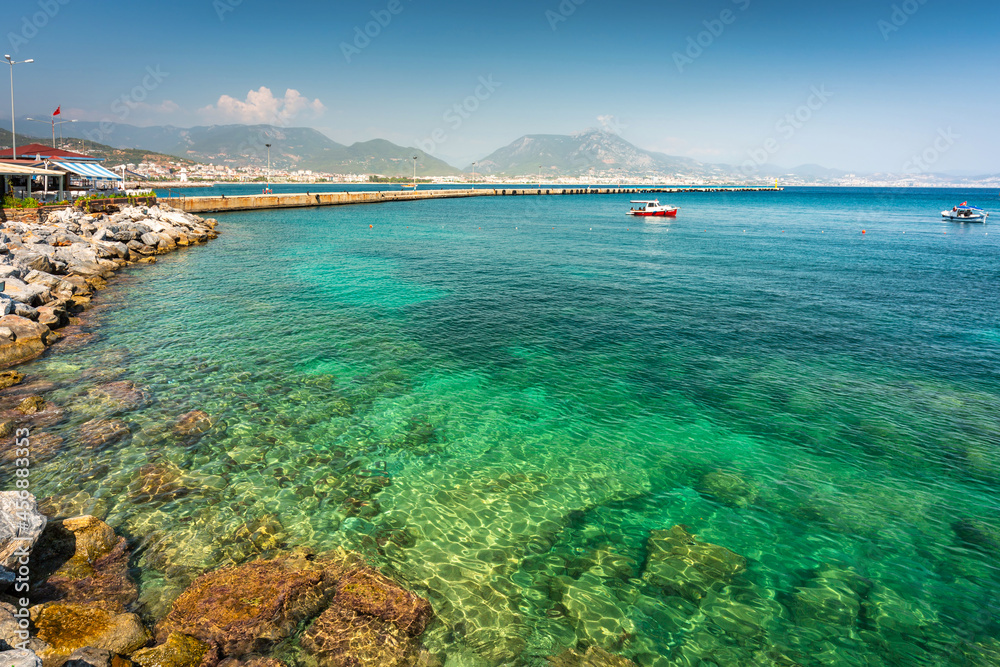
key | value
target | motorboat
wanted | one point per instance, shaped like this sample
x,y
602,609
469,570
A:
x,y
965,213
653,209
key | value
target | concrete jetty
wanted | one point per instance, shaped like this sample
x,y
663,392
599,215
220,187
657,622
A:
x,y
219,204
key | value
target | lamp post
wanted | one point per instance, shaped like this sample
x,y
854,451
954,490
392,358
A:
x,y
13,131
267,185
474,175
415,171
539,177
62,122
53,122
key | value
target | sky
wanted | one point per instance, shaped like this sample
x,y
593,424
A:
x,y
866,86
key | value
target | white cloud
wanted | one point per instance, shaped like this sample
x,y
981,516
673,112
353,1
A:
x,y
260,107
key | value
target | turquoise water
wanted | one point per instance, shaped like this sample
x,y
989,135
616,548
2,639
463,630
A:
x,y
498,400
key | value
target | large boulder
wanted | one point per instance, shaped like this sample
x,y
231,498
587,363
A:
x,y
19,657
29,340
177,651
368,592
117,397
682,565
247,609
21,524
345,638
69,627
90,564
101,433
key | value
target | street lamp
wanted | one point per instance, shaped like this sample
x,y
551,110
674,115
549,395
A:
x,y
474,175
13,131
539,177
415,171
267,186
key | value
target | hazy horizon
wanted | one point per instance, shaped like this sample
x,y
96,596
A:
x,y
865,87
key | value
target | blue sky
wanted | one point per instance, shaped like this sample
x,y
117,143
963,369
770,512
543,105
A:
x,y
893,78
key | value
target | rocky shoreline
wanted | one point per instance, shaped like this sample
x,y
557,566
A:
x,y
50,270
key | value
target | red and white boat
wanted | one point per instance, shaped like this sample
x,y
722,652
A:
x,y
650,209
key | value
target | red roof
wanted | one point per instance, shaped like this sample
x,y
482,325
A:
x,y
31,150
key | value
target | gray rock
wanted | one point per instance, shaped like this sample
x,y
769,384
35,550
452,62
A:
x,y
27,261
151,239
26,311
90,657
20,658
8,627
20,525
5,333
6,305
7,271
33,295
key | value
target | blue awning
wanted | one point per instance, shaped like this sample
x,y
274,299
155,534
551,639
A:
x,y
94,172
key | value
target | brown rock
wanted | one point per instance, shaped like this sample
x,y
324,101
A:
x,y
158,482
368,592
43,445
31,405
96,571
54,317
96,657
177,651
100,433
345,638
10,378
252,661
30,340
193,423
69,627
249,608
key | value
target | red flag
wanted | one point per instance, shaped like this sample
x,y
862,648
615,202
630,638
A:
x,y
965,203
58,110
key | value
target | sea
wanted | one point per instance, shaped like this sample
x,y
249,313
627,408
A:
x,y
527,409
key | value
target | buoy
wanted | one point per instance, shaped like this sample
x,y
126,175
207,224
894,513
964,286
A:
x,y
371,227
862,231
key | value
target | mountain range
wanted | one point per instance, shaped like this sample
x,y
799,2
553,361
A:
x,y
594,153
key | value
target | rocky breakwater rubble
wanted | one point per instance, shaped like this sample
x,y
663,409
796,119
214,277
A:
x,y
50,270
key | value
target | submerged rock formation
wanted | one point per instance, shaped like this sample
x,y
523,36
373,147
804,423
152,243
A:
x,y
684,566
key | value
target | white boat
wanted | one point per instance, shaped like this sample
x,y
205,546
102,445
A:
x,y
965,213
653,209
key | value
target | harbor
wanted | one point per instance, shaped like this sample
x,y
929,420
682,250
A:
x,y
222,203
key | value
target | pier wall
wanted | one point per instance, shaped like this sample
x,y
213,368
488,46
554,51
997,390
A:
x,y
220,204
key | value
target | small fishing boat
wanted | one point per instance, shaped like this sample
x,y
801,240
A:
x,y
965,213
409,186
653,209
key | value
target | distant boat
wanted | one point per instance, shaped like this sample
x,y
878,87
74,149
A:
x,y
409,186
965,213
653,209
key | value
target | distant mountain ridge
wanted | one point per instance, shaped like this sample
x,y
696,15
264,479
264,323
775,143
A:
x,y
245,145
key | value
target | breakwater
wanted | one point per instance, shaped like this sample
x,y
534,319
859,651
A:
x,y
308,199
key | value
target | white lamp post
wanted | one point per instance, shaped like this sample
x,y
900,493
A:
x,y
415,172
267,185
13,131
53,122
474,175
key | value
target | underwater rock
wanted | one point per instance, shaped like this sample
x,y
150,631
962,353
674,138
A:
x,y
594,657
121,396
252,661
10,378
101,433
682,565
42,445
600,617
158,482
247,609
31,405
69,627
191,424
73,504
263,534
21,524
904,628
978,535
177,651
831,602
728,488
368,592
96,571
345,638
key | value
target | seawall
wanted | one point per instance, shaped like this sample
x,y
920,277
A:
x,y
303,200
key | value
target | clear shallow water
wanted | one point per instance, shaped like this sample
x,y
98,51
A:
x,y
499,400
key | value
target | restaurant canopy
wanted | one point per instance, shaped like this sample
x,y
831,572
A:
x,y
88,170
9,169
